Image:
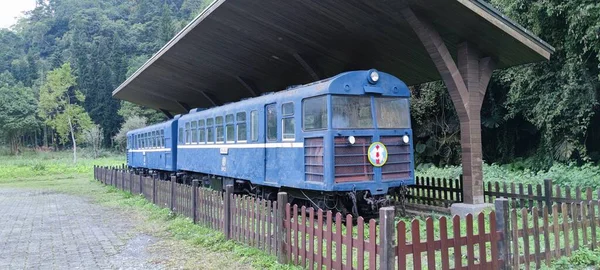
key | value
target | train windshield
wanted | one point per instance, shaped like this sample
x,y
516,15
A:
x,y
352,112
392,112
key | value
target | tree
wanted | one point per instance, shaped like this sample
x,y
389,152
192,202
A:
x,y
59,107
93,137
17,110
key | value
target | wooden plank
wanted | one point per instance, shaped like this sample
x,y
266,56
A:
x,y
556,227
470,242
530,192
360,228
329,239
573,208
302,235
338,241
538,193
456,239
444,243
372,244
416,244
494,238
430,243
566,230
311,238
588,194
295,235
273,230
349,249
578,195
319,248
482,239
584,223
592,213
522,200
525,238
536,236
547,234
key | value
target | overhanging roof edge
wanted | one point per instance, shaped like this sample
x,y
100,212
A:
x,y
191,25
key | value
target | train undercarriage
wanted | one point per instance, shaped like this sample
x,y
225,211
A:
x,y
357,203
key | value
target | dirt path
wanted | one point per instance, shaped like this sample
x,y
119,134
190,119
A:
x,y
49,230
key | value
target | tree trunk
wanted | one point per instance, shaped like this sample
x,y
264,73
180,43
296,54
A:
x,y
45,136
74,143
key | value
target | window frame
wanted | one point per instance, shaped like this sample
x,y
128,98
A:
x,y
194,132
229,123
285,117
202,131
326,111
239,122
210,130
220,127
268,119
254,133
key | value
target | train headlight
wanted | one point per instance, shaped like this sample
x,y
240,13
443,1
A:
x,y
405,139
351,140
373,76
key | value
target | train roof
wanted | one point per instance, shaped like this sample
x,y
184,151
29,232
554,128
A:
x,y
153,127
356,80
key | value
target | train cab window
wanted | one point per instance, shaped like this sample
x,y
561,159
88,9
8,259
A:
x,y
201,132
240,119
229,129
219,128
287,121
351,112
254,125
187,133
271,122
210,131
314,113
194,127
180,135
392,112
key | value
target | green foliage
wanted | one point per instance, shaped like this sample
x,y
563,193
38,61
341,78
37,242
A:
x,y
133,122
58,104
17,110
580,259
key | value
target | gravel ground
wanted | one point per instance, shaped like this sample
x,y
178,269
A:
x,y
48,230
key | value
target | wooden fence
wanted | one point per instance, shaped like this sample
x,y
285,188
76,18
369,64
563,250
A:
x,y
439,193
513,238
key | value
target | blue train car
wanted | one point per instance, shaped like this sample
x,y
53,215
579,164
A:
x,y
344,142
153,149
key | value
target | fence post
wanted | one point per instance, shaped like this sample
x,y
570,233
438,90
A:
x,y
386,238
173,181
227,212
195,185
548,194
141,184
154,189
111,175
282,200
123,179
502,223
130,182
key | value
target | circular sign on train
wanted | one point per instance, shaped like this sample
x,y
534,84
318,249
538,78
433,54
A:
x,y
378,154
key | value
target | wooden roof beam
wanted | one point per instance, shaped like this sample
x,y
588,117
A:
x,y
183,105
249,85
306,66
211,98
167,113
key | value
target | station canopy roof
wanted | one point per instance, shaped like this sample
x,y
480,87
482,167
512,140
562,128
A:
x,y
241,48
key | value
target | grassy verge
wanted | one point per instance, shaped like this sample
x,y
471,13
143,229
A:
x,y
55,171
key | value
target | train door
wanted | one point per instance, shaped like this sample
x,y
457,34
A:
x,y
271,169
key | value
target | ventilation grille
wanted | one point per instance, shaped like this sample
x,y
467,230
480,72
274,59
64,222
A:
x,y
313,159
398,163
351,161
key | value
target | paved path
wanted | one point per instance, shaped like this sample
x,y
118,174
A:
x,y
47,230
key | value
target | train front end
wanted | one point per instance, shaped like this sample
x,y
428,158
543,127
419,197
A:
x,y
366,151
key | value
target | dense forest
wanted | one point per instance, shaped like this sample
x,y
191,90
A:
x,y
535,114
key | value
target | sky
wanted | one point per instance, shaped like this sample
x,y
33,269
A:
x,y
10,10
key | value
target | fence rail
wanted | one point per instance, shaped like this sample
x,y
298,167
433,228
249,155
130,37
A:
x,y
528,237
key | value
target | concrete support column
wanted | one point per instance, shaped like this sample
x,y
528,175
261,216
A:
x,y
467,82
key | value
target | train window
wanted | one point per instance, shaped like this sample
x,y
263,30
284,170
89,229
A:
x,y
153,139
271,122
314,112
241,126
219,128
230,129
287,122
201,132
210,131
162,138
194,127
351,112
254,125
392,112
187,133
180,135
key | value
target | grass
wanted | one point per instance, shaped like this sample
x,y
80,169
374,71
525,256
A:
x,y
55,171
